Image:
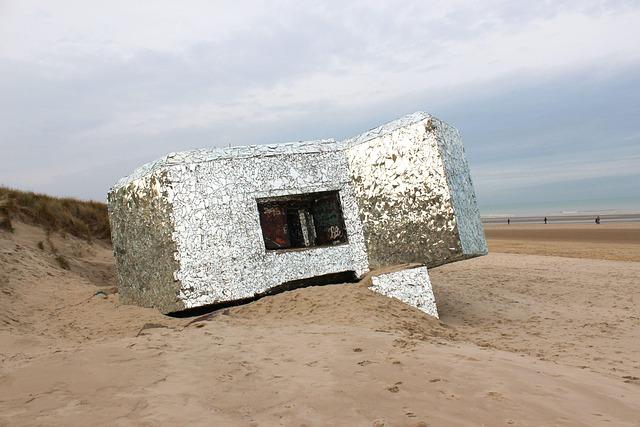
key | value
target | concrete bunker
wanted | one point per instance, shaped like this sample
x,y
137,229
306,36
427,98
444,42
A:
x,y
206,227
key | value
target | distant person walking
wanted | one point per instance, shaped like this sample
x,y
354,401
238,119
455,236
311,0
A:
x,y
545,219
598,219
508,221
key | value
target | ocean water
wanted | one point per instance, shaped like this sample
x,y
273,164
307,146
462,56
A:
x,y
611,206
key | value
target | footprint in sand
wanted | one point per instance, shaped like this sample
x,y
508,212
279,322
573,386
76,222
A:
x,y
495,395
394,388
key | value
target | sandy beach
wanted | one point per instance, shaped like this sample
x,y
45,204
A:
x,y
320,214
545,330
609,241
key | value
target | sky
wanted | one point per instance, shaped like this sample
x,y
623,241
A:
x,y
545,94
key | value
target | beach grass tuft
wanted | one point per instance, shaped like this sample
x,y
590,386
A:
x,y
84,219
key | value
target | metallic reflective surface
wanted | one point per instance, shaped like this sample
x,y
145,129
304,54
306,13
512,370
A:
x,y
411,286
404,188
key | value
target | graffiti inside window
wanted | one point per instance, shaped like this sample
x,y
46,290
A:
x,y
302,221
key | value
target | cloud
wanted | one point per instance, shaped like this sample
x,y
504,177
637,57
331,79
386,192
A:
x,y
90,91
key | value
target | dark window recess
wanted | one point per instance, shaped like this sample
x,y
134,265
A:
x,y
302,221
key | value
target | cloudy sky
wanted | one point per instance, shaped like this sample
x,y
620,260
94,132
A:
x,y
545,93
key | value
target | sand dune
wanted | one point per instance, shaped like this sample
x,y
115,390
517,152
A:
x,y
522,340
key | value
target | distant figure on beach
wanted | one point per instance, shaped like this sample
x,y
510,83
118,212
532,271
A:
x,y
508,221
545,219
598,219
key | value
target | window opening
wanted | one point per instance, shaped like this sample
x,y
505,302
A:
x,y
302,221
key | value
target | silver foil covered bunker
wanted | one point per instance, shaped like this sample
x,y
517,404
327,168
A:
x,y
210,226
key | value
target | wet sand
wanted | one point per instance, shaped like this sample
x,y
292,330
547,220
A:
x,y
610,241
583,218
524,339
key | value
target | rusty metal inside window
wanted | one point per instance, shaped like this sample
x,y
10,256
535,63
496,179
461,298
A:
x,y
302,221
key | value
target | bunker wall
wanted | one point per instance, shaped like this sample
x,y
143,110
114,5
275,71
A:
x,y
218,235
403,196
144,250
460,185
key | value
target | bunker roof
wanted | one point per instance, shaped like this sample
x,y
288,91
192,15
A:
x,y
265,150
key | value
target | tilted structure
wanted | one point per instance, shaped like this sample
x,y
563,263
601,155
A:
x,y
209,226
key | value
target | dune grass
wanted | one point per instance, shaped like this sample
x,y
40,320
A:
x,y
5,219
84,219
